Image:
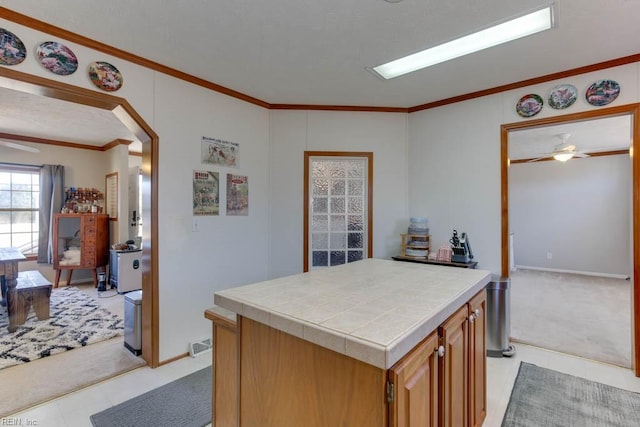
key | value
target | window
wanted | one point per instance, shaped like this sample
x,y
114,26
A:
x,y
337,208
19,205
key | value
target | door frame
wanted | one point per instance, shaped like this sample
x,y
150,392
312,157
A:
x,y
28,83
630,109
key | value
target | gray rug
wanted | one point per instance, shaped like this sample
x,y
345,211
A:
x,y
76,320
185,402
543,398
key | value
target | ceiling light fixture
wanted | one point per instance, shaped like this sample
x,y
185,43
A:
x,y
513,29
563,157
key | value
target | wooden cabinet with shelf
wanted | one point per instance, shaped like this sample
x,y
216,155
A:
x,y
417,242
80,242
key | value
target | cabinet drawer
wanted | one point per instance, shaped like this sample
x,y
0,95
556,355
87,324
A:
x,y
89,257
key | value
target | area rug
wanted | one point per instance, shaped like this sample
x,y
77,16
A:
x,y
185,402
76,320
543,397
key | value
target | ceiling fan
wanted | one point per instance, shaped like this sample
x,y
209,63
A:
x,y
563,151
17,146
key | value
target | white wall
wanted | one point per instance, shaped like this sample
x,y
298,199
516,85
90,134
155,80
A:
x,y
118,162
454,174
579,211
294,132
227,250
454,159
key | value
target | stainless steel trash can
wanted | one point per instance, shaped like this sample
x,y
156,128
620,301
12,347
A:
x,y
133,322
499,317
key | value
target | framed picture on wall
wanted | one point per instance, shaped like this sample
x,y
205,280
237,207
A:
x,y
111,196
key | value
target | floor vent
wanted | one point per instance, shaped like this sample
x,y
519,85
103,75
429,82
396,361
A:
x,y
200,347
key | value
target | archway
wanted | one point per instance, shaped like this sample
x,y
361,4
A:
x,y
14,80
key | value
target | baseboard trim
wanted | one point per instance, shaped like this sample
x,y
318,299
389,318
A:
x,y
584,273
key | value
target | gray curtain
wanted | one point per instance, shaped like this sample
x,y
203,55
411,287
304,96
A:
x,y
51,202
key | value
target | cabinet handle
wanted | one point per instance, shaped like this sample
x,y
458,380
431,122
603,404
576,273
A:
x,y
477,312
440,351
472,318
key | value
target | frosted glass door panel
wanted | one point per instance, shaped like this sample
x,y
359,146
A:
x,y
338,211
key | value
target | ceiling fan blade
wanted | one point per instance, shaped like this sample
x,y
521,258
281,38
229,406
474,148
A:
x,y
539,158
19,146
581,155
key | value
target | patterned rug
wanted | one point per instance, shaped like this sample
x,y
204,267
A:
x,y
76,320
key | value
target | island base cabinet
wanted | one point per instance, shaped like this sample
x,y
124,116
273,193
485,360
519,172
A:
x,y
224,402
442,381
415,387
454,368
477,360
286,381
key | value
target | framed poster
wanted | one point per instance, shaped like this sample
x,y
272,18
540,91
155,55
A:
x,y
206,193
111,196
219,152
237,195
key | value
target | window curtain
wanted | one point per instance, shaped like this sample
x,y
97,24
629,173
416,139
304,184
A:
x,y
51,201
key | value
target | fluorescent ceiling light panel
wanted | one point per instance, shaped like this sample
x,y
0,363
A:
x,y
493,36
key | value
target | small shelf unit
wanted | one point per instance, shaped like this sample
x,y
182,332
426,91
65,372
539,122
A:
x,y
414,242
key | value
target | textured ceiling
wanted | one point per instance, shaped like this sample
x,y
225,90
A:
x,y
316,52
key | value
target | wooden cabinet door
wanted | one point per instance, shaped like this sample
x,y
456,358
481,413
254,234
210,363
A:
x,y
415,387
477,360
454,366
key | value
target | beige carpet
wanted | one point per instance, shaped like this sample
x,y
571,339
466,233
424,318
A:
x,y
581,315
24,386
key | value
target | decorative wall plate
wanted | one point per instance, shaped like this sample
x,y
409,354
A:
x,y
529,105
57,58
563,96
12,50
105,76
602,92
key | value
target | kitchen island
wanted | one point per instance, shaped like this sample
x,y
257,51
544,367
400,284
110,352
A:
x,y
374,343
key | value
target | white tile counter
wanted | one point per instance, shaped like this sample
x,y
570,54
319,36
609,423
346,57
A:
x,y
373,310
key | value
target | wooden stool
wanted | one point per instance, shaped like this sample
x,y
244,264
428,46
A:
x,y
33,289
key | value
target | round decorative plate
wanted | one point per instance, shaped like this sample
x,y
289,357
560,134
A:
x,y
57,58
602,92
563,96
105,76
12,50
529,105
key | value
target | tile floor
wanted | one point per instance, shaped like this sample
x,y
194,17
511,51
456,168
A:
x,y
75,409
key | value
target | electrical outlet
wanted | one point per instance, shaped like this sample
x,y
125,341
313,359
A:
x,y
549,255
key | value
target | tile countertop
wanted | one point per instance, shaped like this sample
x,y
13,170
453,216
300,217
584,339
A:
x,y
373,310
